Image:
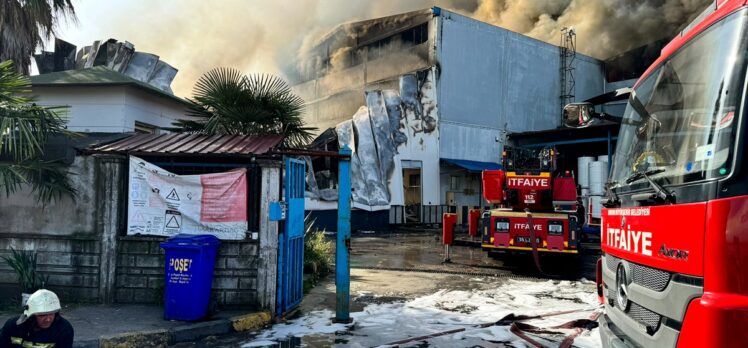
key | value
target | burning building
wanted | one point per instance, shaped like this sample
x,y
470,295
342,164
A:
x,y
426,99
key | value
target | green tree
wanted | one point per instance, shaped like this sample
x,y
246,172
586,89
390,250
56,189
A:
x,y
227,102
25,24
24,130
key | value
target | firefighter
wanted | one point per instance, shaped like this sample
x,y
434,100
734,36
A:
x,y
40,325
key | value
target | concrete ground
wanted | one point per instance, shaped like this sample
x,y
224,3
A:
x,y
400,267
91,322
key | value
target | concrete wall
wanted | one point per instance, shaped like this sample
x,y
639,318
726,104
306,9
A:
x,y
111,109
83,249
140,272
71,262
67,235
21,213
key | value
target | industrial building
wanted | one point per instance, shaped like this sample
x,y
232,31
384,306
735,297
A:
x,y
476,83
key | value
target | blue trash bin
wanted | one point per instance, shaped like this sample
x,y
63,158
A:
x,y
189,275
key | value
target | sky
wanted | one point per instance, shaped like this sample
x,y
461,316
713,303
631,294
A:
x,y
265,36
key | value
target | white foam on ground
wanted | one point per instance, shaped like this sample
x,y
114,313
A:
x,y
379,324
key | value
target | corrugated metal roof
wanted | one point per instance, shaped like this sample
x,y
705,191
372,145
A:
x,y
194,144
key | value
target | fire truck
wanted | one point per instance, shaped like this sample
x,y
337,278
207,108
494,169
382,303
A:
x,y
675,223
536,205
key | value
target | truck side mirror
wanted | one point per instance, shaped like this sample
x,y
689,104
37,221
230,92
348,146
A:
x,y
578,115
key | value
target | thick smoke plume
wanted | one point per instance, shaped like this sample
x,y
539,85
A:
x,y
253,36
604,27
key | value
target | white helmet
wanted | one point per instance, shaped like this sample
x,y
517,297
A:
x,y
40,302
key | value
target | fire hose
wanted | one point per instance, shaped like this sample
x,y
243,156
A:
x,y
533,241
520,329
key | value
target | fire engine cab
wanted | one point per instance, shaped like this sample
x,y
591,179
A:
x,y
675,222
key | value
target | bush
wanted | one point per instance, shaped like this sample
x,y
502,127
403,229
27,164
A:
x,y
23,262
317,250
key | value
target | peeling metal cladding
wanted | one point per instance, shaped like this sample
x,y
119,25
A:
x,y
393,103
162,76
346,136
368,160
122,56
81,57
409,94
427,100
45,62
141,66
380,124
312,190
92,53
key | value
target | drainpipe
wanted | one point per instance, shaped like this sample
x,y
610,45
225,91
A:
x,y
343,245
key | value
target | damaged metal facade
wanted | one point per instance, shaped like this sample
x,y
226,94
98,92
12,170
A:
x,y
117,56
109,87
483,81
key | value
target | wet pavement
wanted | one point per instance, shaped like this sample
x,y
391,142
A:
x,y
392,269
425,252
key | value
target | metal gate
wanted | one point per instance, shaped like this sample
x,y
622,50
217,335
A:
x,y
291,239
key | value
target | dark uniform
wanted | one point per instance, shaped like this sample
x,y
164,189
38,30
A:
x,y
28,335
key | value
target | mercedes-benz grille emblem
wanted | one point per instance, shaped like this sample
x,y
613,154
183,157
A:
x,y
622,295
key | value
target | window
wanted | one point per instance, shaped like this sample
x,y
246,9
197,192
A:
x,y
454,183
416,35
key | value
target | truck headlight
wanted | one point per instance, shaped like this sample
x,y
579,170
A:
x,y
555,227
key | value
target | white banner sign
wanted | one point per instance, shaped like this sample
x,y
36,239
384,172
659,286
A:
x,y
162,203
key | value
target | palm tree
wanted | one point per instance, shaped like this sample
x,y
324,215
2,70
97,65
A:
x,y
227,102
24,130
25,24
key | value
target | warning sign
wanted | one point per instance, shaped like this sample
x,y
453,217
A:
x,y
213,203
173,222
173,195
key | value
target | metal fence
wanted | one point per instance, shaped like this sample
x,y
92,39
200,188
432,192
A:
x,y
418,214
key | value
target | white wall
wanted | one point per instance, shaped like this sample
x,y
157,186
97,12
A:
x,y
422,146
148,108
111,109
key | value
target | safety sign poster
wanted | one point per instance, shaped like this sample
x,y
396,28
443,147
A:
x,y
165,204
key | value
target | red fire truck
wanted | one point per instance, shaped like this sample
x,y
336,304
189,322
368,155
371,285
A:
x,y
536,205
675,226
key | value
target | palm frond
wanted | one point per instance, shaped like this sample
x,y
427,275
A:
x,y
13,85
26,24
226,102
49,180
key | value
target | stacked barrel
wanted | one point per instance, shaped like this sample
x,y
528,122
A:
x,y
592,175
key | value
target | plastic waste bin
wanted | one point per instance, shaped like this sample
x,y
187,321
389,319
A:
x,y
189,275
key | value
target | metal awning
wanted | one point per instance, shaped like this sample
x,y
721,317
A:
x,y
192,145
473,166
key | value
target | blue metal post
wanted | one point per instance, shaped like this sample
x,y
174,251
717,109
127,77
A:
x,y
342,247
610,151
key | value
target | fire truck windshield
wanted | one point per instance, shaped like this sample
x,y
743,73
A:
x,y
680,122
